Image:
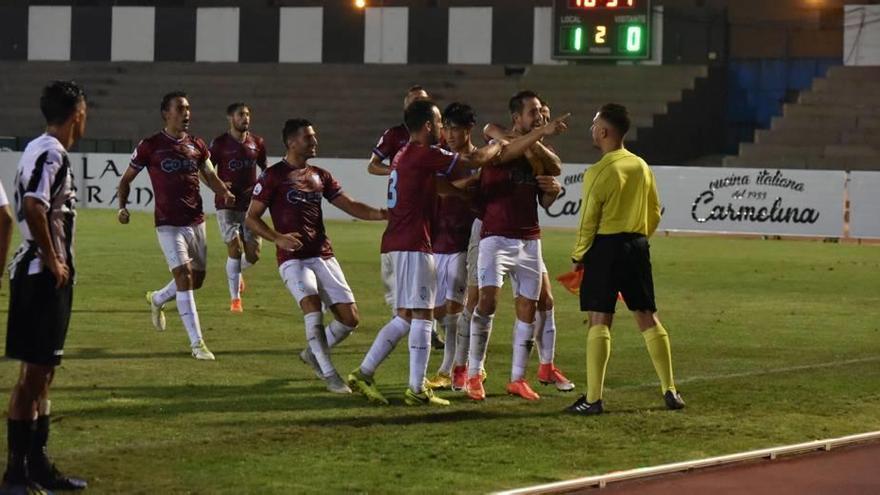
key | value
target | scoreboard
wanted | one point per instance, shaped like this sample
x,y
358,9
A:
x,y
601,29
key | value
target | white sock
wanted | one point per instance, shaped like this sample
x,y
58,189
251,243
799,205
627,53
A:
x,y
317,340
545,330
186,306
523,340
419,353
481,327
386,341
233,276
245,264
462,338
337,332
165,294
449,325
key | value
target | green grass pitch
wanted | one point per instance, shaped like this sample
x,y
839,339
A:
x,y
773,342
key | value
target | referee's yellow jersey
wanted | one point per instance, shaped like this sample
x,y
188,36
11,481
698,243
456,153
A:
x,y
620,196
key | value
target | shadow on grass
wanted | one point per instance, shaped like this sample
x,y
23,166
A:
x,y
89,353
282,395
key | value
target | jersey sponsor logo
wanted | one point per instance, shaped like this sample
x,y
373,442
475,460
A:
x,y
174,165
241,164
295,196
522,175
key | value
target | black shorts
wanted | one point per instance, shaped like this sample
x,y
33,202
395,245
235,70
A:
x,y
618,263
39,315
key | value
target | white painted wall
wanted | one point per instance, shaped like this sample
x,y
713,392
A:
x,y
386,35
301,36
861,35
470,35
133,34
217,34
49,33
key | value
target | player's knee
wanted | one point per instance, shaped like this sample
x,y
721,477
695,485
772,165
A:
x,y
198,279
545,303
351,321
252,257
486,306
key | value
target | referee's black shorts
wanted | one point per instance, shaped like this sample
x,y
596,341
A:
x,y
39,315
618,263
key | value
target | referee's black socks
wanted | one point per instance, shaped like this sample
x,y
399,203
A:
x,y
37,454
18,438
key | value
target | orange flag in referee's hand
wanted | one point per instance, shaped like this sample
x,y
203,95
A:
x,y
572,280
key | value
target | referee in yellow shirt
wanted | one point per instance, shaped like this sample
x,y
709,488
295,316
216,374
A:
x,y
619,211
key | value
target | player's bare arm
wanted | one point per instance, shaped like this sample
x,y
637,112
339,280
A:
x,y
497,132
550,162
357,209
518,146
206,168
35,214
550,189
541,158
254,221
445,187
123,191
376,167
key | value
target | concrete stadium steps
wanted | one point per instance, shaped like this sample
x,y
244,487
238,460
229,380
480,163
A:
x,y
834,125
349,104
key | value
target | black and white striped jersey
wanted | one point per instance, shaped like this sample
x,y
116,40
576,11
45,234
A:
x,y
44,173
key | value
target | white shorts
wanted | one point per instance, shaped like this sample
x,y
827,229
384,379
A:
x,y
415,279
232,225
473,252
451,278
387,268
182,245
514,284
520,258
316,276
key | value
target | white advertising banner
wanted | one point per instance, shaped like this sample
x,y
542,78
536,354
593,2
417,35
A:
x,y
734,200
864,201
100,175
752,200
695,199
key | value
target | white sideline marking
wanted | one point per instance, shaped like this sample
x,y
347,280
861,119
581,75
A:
x,y
602,480
746,374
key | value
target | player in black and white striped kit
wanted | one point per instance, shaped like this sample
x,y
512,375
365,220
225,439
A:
x,y
41,289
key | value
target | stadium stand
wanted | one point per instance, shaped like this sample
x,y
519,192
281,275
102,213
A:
x,y
350,104
835,125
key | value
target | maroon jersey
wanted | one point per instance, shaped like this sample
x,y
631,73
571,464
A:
x,y
294,196
391,142
453,217
412,196
509,197
237,163
173,165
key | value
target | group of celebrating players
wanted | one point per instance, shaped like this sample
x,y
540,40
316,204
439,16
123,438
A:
x,y
458,221
460,218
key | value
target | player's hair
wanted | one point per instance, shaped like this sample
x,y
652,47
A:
x,y
459,114
166,100
59,100
516,103
417,113
291,127
617,115
414,88
234,107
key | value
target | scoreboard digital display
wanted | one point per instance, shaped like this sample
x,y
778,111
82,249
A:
x,y
601,29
